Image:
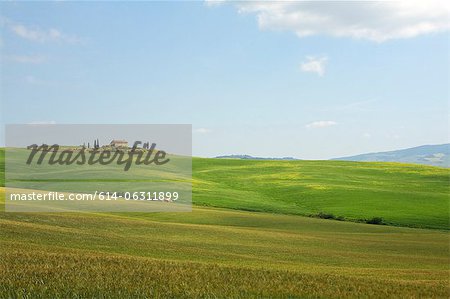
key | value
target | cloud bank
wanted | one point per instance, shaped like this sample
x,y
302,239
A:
x,y
377,21
321,124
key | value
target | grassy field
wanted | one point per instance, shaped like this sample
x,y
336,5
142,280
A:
x,y
401,194
216,253
224,248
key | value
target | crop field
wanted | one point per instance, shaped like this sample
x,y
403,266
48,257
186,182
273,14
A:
x,y
246,237
402,194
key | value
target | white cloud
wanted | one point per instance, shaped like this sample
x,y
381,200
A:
x,y
367,135
314,65
377,21
44,122
214,2
36,34
33,59
203,130
321,124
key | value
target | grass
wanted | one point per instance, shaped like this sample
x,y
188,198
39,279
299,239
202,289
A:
x,y
400,194
90,275
216,253
226,251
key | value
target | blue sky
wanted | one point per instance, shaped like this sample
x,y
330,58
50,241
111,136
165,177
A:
x,y
267,80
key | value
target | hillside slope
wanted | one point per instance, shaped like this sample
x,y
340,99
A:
x,y
214,253
434,155
191,255
402,194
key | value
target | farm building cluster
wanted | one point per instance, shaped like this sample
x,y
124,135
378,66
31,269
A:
x,y
115,144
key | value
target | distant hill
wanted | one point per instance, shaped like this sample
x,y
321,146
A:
x,y
248,157
435,155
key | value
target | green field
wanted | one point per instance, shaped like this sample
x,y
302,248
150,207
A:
x,y
245,238
402,194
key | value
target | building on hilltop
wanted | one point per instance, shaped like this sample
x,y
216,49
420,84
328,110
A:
x,y
119,143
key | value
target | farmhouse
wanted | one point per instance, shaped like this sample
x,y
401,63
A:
x,y
119,143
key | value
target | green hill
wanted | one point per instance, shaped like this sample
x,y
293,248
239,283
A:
x,y
212,253
401,194
224,251
397,194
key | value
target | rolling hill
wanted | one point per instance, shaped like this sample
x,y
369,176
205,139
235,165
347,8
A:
x,y
435,155
215,253
248,157
245,237
401,194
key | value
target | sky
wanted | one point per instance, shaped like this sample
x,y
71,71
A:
x,y
311,80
